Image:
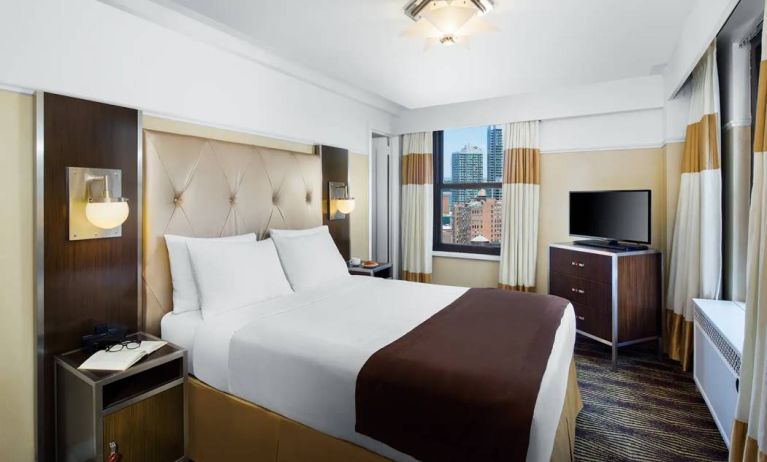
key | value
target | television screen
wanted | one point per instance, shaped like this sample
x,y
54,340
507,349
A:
x,y
614,215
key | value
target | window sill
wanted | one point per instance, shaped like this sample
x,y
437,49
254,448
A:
x,y
466,256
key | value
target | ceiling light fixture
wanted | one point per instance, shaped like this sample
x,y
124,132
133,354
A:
x,y
447,22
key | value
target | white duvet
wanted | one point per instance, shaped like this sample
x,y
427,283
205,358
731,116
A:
x,y
299,355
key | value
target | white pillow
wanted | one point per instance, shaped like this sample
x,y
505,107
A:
x,y
309,257
185,297
234,274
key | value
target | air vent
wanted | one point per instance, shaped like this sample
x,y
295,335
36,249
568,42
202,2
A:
x,y
717,339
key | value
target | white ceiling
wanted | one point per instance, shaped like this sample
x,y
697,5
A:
x,y
539,44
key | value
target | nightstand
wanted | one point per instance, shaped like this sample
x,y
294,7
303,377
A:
x,y
141,409
381,271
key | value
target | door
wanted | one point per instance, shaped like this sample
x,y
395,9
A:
x,y
380,238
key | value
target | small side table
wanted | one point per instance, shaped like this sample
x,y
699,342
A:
x,y
141,409
381,271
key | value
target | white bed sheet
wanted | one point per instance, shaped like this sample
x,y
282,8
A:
x,y
300,355
180,329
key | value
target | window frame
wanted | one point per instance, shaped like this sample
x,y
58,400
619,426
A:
x,y
440,185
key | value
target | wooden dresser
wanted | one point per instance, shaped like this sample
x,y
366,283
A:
x,y
617,296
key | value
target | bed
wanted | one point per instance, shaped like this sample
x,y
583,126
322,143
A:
x,y
277,380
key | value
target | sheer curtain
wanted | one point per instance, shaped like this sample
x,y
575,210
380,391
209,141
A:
x,y
417,206
521,199
696,253
749,442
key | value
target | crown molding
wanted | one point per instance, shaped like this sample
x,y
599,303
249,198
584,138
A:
x,y
15,89
170,15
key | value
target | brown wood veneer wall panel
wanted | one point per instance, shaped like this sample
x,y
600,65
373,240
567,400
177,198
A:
x,y
91,281
335,167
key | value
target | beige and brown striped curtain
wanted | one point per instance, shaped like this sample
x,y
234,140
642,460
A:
x,y
696,253
521,199
417,206
749,438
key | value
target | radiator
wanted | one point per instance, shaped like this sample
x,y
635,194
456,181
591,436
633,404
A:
x,y
718,343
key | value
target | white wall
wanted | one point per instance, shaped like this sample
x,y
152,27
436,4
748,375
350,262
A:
x,y
600,98
621,130
611,115
676,113
92,50
699,31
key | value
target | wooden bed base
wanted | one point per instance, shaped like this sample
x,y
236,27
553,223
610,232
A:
x,y
223,427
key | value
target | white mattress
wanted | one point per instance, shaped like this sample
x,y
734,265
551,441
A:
x,y
300,355
180,330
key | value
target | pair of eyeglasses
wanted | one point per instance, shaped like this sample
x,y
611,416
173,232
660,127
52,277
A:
x,y
128,345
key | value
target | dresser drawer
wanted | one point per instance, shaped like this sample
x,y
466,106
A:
x,y
593,321
582,291
585,265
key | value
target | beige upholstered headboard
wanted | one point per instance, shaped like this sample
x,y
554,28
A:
x,y
207,188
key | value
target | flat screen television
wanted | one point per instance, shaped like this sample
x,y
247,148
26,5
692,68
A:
x,y
611,216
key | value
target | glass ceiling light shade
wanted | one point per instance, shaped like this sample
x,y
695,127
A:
x,y
447,22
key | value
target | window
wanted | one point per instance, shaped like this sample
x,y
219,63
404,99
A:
x,y
468,170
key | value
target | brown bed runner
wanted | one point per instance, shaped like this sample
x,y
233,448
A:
x,y
463,384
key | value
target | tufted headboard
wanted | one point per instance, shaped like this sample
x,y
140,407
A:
x,y
206,188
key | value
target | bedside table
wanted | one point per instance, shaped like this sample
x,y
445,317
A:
x,y
141,409
381,271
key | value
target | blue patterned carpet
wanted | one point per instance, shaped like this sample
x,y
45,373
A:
x,y
646,410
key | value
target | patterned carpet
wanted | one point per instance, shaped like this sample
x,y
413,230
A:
x,y
646,410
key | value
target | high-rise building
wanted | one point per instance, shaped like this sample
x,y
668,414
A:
x,y
478,221
494,158
467,167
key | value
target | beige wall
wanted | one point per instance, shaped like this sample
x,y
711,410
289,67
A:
x,y
583,171
464,272
359,188
565,172
16,277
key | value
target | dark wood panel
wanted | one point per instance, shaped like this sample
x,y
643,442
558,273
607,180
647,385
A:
x,y
91,281
151,430
639,296
582,264
335,167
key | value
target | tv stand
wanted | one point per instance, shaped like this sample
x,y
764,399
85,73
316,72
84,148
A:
x,y
611,245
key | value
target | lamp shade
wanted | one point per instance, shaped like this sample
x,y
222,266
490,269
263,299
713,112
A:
x,y
449,18
345,206
107,215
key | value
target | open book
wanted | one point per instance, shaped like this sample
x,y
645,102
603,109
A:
x,y
120,360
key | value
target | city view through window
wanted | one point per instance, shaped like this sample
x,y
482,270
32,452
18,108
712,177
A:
x,y
470,191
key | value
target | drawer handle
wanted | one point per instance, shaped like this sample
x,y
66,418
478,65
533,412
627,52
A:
x,y
579,264
577,291
581,318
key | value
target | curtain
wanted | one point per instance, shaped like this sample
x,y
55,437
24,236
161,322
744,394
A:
x,y
417,206
521,199
696,253
749,442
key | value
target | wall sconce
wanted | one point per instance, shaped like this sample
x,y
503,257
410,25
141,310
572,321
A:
x,y
340,202
96,209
